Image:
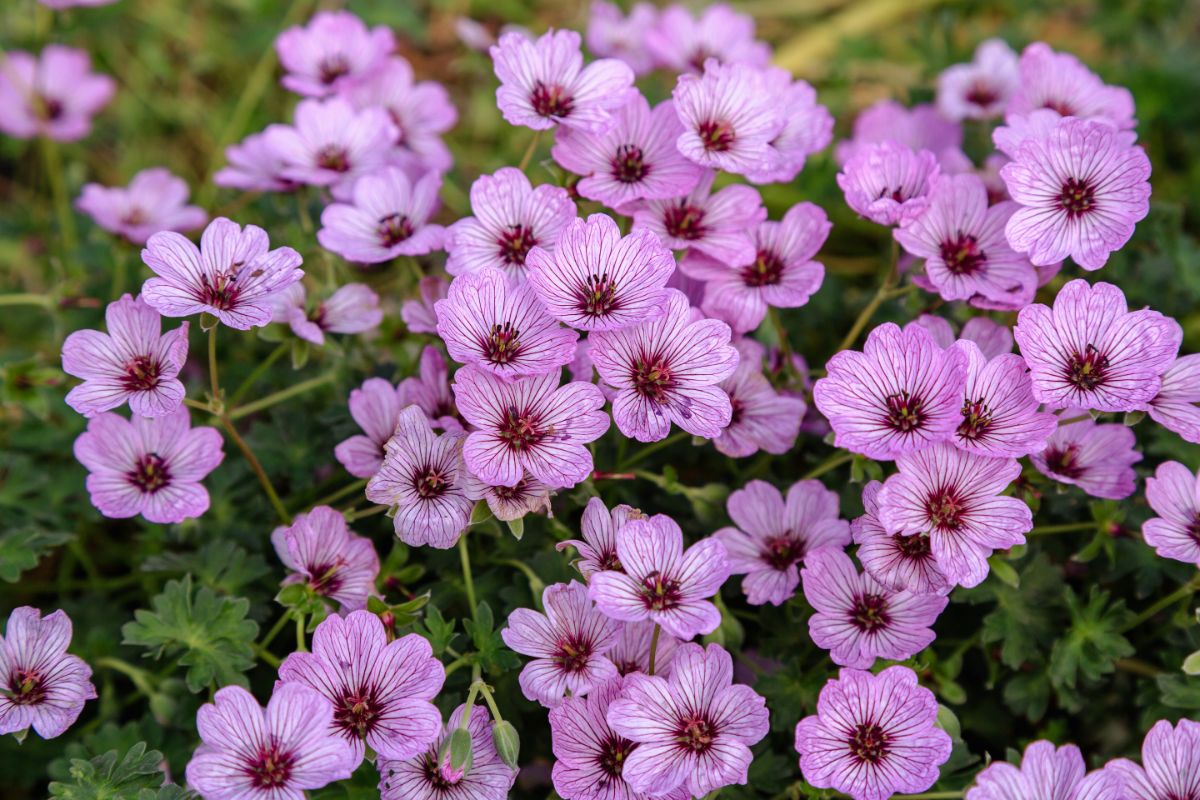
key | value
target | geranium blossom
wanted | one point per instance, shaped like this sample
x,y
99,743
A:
x,y
326,556
375,406
353,308
729,117
774,536
509,503
1000,415
1098,458
982,88
42,686
334,50
921,127
898,561
1177,405
714,224
682,41
762,418
53,94
154,201
613,34
1060,83
599,528
888,183
387,216
429,390
1046,771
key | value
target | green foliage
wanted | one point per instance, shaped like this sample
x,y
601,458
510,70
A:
x,y
137,775
22,548
209,634
1092,643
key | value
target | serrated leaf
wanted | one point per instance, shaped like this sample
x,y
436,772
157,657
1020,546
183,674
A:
x,y
21,549
106,778
220,563
210,634
1092,643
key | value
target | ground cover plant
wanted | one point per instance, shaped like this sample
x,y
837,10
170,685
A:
x,y
462,400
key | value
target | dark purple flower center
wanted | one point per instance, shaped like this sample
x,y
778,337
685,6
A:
x,y
945,509
574,651
26,687
521,431
512,494
270,768
551,101
629,165
326,579
357,711
401,136
515,243
977,419
1088,370
48,108
394,229
870,612
699,56
503,344
869,743
963,256
608,560
767,270
613,753
684,222
914,546
141,374
715,135
660,593
981,93
333,67
783,551
896,194
431,481
135,216
737,409
597,297
1193,529
1077,198
333,157
440,778
906,412
653,380
696,734
149,473
1064,461
222,291
1061,106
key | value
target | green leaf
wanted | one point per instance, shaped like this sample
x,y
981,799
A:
x,y
1005,571
1025,620
104,778
210,634
437,630
517,528
1092,643
220,563
1191,664
21,549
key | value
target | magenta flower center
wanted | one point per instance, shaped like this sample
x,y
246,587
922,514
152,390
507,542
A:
x,y
431,481
1077,198
660,593
141,374
963,256
26,687
394,229
551,101
440,778
684,222
1193,529
737,408
270,768
977,419
573,653
699,56
150,473
869,742
914,546
608,560
357,711
652,379
982,94
767,270
135,216
783,551
47,108
503,343
1064,461
870,612
597,297
1061,106
333,67
613,753
716,135
222,291
696,734
629,165
511,494
521,431
515,243
905,412
945,509
1088,370
326,578
333,157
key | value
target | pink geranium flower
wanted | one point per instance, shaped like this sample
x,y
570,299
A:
x,y
54,94
613,34
387,216
326,556
729,117
1177,405
762,418
1000,415
982,88
42,686
888,183
333,51
716,225
1061,83
429,390
154,201
682,41
1046,771
898,561
599,528
353,308
1097,458
376,407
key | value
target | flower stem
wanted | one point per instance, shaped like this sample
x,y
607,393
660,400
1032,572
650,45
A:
x,y
831,463
1070,527
28,299
486,691
276,503
456,664
651,449
333,497
212,365
263,366
1187,590
275,629
301,639
785,345
468,580
653,648
1073,420
58,188
139,677
280,396
885,288
266,655
366,512
530,150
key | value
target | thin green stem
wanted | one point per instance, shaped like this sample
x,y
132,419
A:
x,y
465,556
140,678
58,188
486,691
28,299
785,345
651,449
530,150
259,472
536,584
1187,590
1069,527
190,403
864,316
266,655
275,629
284,394
653,648
212,364
262,367
333,497
471,695
1136,666
1073,420
366,512
831,463
301,638
456,665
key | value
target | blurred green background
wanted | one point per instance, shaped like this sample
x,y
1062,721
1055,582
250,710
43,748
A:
x,y
196,76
